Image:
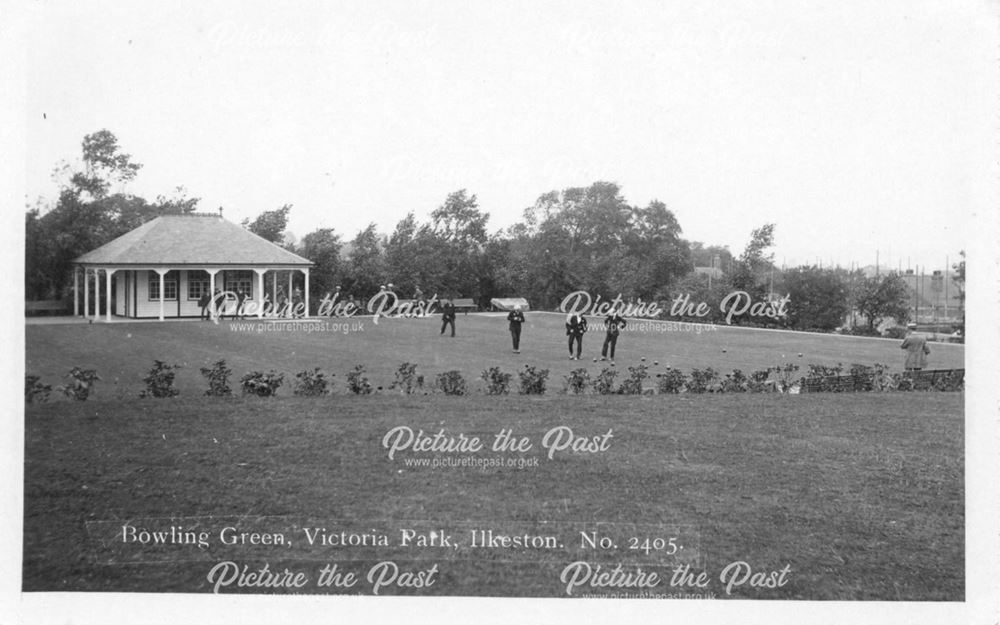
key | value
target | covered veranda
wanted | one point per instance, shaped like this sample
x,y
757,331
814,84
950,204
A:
x,y
164,268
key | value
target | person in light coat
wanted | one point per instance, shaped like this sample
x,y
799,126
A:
x,y
916,349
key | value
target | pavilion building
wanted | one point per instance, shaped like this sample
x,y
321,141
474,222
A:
x,y
162,268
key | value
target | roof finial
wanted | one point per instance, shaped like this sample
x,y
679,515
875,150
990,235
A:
x,y
220,211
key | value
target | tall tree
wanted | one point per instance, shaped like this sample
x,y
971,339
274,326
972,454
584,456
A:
x,y
459,219
86,215
747,274
656,250
882,297
417,255
959,279
819,299
365,264
104,165
322,246
270,224
461,226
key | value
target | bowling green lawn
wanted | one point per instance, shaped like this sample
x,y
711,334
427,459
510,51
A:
x,y
860,496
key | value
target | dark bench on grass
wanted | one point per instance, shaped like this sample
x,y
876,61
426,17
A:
x,y
45,306
465,305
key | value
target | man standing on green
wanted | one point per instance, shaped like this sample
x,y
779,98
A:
x,y
614,323
916,349
448,317
576,326
516,318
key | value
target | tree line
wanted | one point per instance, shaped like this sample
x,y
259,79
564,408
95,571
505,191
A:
x,y
580,238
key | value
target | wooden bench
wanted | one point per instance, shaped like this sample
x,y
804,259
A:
x,y
45,306
465,305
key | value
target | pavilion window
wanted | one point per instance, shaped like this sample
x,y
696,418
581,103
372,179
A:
x,y
169,286
197,284
240,280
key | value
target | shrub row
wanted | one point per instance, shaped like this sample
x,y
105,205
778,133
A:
x,y
531,381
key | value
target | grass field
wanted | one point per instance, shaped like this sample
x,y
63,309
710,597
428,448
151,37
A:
x,y
123,352
861,495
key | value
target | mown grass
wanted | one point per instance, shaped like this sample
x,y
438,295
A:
x,y
861,494
123,352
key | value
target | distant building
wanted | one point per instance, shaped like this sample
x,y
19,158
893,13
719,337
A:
x,y
715,272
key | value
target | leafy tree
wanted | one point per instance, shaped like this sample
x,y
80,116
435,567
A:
x,y
270,224
322,246
656,255
461,228
415,255
104,165
459,219
818,298
86,216
754,260
882,297
365,264
959,279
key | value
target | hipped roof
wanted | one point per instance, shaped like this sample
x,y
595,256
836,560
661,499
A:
x,y
190,240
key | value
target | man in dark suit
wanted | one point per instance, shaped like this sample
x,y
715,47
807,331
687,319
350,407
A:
x,y
203,302
217,304
576,326
241,296
448,317
614,323
516,318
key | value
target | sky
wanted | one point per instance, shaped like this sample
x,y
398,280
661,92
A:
x,y
858,130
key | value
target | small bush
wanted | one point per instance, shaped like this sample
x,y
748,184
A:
x,y
81,383
735,382
357,381
497,382
577,381
633,384
784,376
861,377
407,379
670,382
701,380
160,381
35,391
882,380
896,332
533,380
451,383
218,379
760,382
311,383
954,381
604,383
262,384
821,378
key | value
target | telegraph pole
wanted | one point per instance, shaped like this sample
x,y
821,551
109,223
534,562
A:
x,y
947,279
